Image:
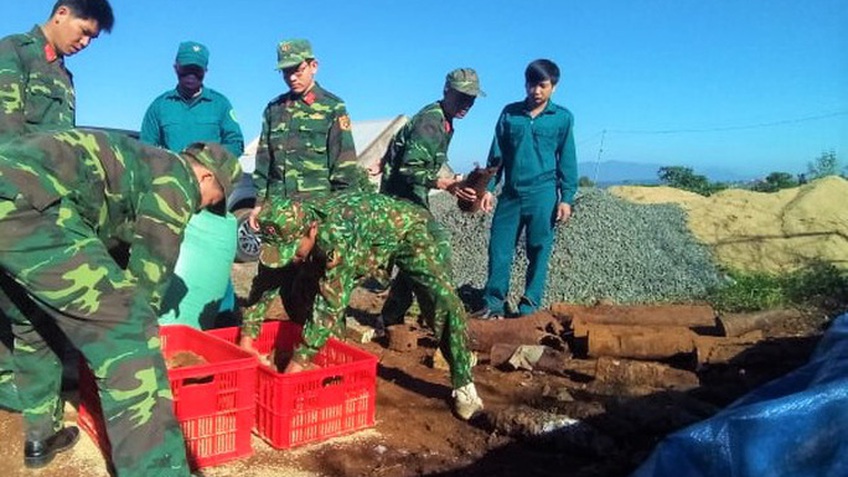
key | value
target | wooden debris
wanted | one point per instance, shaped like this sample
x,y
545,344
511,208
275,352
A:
x,y
737,324
530,357
530,329
641,342
716,349
626,372
689,316
402,337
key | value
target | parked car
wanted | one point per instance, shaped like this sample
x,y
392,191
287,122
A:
x,y
240,203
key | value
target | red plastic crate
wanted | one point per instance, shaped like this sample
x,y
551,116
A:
x,y
216,415
310,406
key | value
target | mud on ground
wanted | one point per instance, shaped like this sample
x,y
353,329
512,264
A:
x,y
416,434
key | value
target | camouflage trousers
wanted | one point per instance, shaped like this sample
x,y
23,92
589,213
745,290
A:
x,y
424,259
66,269
403,290
8,391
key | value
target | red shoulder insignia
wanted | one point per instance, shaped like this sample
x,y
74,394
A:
x,y
50,53
447,126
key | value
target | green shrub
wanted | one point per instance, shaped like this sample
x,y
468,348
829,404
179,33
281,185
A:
x,y
818,285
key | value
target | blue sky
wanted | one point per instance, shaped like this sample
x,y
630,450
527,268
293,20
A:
x,y
748,86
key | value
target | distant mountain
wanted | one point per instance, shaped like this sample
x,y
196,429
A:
x,y
623,172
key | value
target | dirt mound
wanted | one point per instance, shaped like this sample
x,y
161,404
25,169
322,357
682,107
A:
x,y
755,231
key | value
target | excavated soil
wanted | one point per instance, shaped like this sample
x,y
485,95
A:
x,y
767,232
416,434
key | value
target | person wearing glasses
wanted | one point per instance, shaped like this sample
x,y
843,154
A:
x,y
305,149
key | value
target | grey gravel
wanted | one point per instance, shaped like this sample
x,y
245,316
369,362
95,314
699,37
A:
x,y
611,250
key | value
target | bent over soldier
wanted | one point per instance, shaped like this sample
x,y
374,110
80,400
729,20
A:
x,y
354,235
36,95
64,198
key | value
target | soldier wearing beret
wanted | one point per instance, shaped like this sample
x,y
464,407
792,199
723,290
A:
x,y
305,149
37,94
354,235
412,163
65,198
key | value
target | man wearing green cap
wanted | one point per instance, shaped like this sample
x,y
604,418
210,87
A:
x,y
353,235
305,149
189,113
37,94
65,198
412,163
306,145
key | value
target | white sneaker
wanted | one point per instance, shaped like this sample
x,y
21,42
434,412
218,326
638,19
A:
x,y
466,402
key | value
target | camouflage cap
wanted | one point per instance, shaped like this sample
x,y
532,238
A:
x,y
192,53
282,223
220,161
464,80
293,52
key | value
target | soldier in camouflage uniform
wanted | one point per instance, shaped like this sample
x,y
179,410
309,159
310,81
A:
x,y
354,235
37,94
411,169
305,149
36,90
64,199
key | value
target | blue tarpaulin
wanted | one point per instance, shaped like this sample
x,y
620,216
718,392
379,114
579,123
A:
x,y
795,426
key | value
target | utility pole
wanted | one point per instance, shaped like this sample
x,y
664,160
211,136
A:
x,y
598,160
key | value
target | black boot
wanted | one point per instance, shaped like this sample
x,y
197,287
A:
x,y
40,453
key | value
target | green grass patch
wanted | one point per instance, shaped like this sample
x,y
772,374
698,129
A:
x,y
819,285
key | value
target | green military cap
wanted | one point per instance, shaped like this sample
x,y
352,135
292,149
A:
x,y
293,52
464,80
282,223
221,162
192,53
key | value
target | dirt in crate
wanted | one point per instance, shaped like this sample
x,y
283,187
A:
x,y
182,359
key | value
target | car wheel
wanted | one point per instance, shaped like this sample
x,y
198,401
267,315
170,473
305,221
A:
x,y
247,242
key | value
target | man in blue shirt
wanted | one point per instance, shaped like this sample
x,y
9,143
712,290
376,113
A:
x,y
185,115
191,112
534,148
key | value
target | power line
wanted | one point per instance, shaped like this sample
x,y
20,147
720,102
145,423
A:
x,y
732,128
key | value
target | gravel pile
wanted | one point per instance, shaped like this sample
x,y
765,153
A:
x,y
610,250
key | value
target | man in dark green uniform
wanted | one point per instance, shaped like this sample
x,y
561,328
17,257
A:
x,y
534,147
189,113
305,149
412,163
37,94
64,199
354,235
